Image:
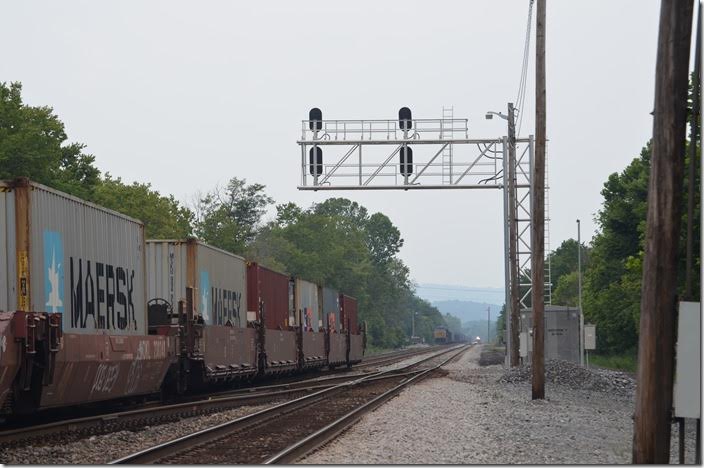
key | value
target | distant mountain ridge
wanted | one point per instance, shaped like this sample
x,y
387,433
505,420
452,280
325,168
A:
x,y
435,292
468,311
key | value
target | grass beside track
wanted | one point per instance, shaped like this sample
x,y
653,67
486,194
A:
x,y
623,362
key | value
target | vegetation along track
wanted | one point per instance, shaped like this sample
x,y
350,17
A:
x,y
288,431
64,430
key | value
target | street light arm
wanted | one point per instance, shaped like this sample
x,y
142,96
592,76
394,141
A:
x,y
489,115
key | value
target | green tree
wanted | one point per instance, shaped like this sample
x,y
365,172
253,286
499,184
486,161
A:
x,y
567,291
229,218
563,260
33,144
163,216
612,282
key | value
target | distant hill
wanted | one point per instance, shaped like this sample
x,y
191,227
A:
x,y
468,311
433,292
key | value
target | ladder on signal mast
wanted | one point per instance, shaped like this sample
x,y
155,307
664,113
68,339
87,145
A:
x,y
446,132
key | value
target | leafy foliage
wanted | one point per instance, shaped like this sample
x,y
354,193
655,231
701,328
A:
x,y
33,144
163,216
228,217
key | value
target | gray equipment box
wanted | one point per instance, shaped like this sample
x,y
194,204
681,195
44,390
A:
x,y
561,332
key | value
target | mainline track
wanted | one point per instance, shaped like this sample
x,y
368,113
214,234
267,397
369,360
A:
x,y
155,413
287,431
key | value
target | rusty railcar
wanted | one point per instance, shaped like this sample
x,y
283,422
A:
x,y
74,308
223,347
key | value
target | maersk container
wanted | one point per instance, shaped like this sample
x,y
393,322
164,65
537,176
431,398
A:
x,y
308,305
61,254
218,277
331,309
271,289
349,313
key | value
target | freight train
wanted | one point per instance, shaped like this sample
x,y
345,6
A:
x,y
90,311
443,335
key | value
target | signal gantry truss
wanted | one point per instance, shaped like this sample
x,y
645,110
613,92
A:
x,y
367,155
418,154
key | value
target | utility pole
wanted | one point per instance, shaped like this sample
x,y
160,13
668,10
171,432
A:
x,y
694,138
513,237
488,324
537,234
413,324
653,413
579,295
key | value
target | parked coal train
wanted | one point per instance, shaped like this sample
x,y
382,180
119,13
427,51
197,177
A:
x,y
90,311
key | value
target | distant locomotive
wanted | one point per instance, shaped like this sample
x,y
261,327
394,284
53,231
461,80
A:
x,y
90,311
443,335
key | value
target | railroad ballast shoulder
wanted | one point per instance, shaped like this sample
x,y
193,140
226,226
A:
x,y
90,311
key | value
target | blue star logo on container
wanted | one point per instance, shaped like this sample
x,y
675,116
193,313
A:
x,y
205,297
53,272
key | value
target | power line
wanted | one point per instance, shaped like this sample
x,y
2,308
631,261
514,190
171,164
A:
x,y
520,99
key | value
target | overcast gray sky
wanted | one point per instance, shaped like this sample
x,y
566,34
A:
x,y
186,95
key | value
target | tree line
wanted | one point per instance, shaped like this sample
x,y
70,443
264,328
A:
x,y
612,263
336,243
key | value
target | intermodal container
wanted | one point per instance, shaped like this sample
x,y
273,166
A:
x,y
218,277
308,305
7,209
349,313
331,309
64,255
272,289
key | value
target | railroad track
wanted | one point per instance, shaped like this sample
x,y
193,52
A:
x,y
288,431
155,413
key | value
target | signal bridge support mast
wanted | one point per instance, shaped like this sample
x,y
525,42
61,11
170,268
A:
x,y
411,154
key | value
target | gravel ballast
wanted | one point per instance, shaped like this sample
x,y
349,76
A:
x,y
101,449
485,415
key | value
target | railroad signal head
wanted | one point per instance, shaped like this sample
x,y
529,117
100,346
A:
x,y
315,119
406,159
405,120
316,160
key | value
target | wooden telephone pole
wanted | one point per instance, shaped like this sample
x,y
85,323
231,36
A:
x,y
651,428
537,234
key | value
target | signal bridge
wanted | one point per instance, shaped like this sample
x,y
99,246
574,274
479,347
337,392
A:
x,y
404,155
414,154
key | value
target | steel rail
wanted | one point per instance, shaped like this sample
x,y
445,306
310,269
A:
x,y
329,432
206,403
201,437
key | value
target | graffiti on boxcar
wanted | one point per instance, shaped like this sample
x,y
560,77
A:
x,y
135,372
226,306
101,296
105,378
